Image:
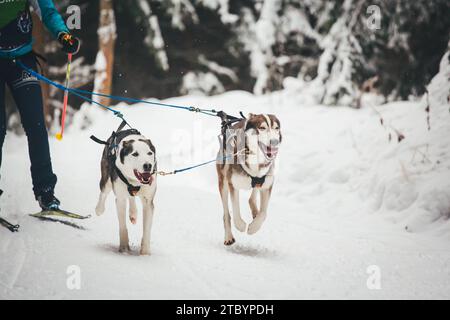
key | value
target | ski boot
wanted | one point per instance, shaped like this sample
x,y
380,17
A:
x,y
48,201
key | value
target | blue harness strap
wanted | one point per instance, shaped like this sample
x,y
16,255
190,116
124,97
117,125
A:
x,y
226,119
80,93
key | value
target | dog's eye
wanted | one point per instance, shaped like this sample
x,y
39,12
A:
x,y
262,128
150,153
135,154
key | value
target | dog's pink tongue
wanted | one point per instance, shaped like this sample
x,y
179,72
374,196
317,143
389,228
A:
x,y
146,175
271,152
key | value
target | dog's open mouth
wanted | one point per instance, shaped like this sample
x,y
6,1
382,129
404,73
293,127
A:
x,y
270,152
144,177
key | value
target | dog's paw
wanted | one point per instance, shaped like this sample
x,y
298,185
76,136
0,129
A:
x,y
229,242
99,210
240,225
124,249
145,251
254,226
255,213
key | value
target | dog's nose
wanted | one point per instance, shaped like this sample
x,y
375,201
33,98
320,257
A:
x,y
147,167
274,142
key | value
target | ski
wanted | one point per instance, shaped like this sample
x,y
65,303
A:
x,y
55,215
64,222
59,213
11,227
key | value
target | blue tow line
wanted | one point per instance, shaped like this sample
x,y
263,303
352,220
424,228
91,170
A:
x,y
81,94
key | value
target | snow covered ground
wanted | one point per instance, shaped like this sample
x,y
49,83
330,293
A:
x,y
348,205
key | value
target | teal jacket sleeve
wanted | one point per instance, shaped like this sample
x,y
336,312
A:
x,y
50,17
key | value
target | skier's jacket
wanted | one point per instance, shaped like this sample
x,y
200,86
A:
x,y
16,25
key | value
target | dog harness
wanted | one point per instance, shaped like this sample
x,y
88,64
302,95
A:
x,y
227,121
112,155
257,182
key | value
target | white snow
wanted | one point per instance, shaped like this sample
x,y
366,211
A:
x,y
154,39
107,32
180,10
200,83
100,73
346,199
223,7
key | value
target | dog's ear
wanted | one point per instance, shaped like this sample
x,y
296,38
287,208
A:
x,y
273,118
127,148
251,123
149,143
152,147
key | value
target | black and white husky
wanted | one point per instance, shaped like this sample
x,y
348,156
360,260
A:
x,y
248,163
128,167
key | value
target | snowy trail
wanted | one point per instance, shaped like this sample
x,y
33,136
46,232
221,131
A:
x,y
322,231
313,258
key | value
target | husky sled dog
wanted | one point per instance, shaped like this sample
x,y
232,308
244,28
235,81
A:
x,y
248,163
128,167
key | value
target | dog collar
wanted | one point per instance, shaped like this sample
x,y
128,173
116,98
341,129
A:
x,y
257,182
132,190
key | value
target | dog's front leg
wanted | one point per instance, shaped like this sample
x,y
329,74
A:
x,y
229,239
257,222
252,203
121,204
133,210
238,222
148,209
100,208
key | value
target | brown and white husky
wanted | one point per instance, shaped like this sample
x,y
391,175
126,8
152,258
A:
x,y
248,163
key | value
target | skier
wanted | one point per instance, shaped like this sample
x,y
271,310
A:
x,y
16,44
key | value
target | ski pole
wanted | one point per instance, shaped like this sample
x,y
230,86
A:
x,y
9,226
59,135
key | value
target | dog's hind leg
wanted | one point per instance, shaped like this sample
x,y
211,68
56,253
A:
x,y
148,220
257,222
238,222
104,191
229,239
133,210
252,203
121,204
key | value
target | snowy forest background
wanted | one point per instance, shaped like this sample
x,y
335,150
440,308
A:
x,y
362,178
330,51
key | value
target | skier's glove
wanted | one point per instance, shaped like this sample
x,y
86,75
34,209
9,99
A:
x,y
70,44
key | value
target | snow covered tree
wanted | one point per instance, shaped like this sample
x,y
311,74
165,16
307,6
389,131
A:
x,y
211,46
341,55
153,39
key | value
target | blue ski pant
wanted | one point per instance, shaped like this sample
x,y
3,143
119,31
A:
x,y
26,91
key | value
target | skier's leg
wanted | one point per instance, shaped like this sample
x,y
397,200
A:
x,y
27,93
2,115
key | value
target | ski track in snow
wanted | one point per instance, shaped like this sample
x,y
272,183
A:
x,y
333,213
